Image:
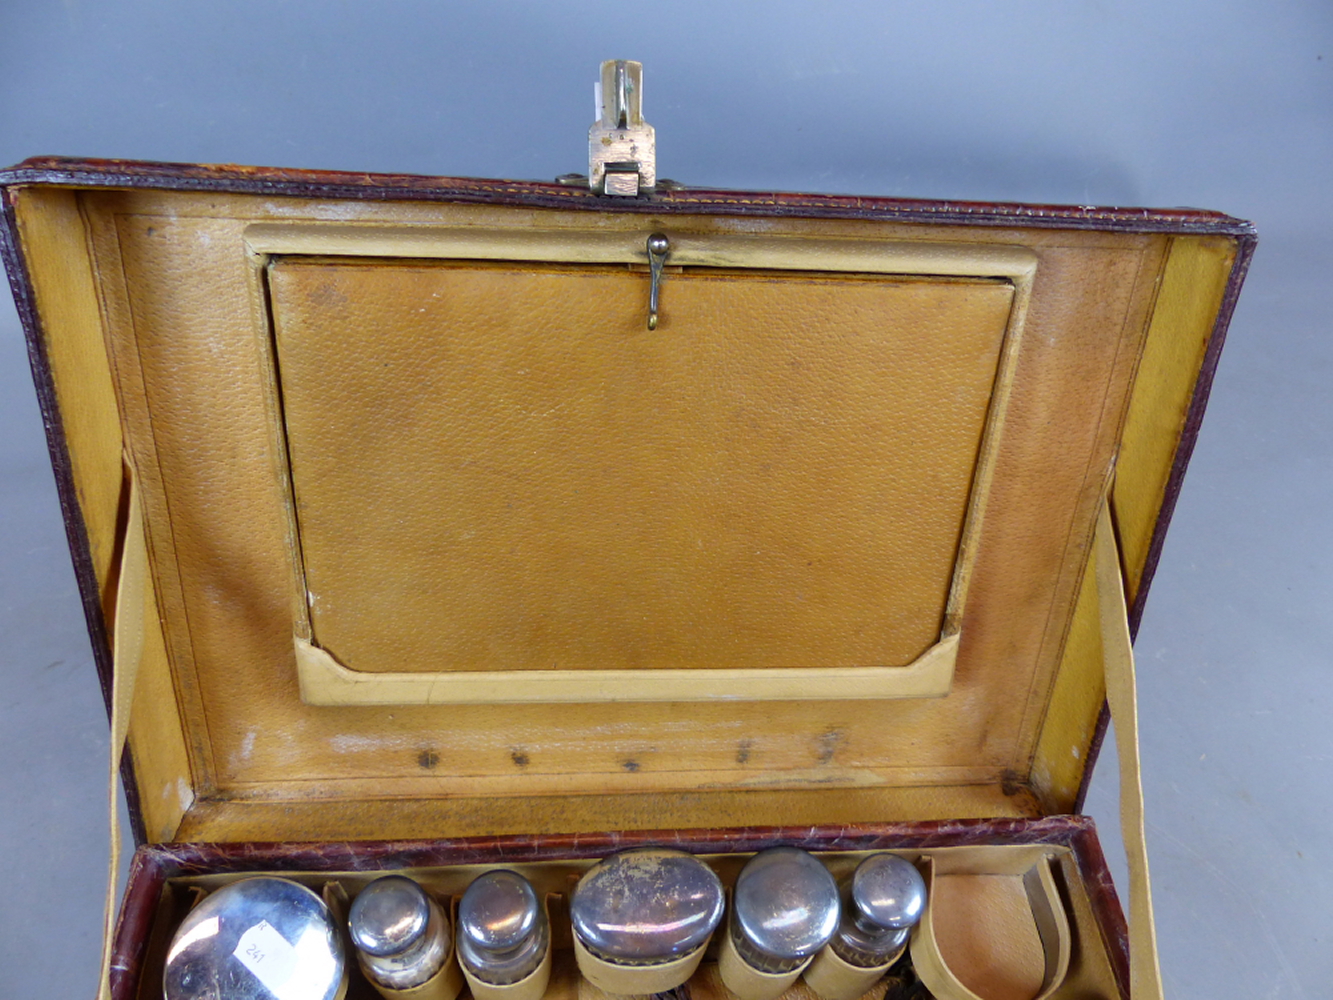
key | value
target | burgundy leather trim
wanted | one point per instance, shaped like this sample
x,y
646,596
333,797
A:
x,y
148,874
199,858
75,530
543,194
1105,901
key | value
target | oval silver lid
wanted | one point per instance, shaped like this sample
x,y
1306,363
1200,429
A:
x,y
646,904
786,903
256,939
888,891
389,916
498,911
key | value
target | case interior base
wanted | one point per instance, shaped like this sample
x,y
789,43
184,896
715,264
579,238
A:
x,y
168,879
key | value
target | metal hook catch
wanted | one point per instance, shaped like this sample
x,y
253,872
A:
x,y
658,247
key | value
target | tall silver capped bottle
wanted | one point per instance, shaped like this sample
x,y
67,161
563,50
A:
x,y
402,940
504,938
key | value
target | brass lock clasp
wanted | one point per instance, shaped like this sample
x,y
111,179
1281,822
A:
x,y
622,147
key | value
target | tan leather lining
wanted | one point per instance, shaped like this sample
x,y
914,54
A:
x,y
993,928
221,554
585,242
172,752
325,815
988,944
55,238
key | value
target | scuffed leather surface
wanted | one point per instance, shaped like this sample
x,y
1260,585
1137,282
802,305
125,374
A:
x,y
190,349
499,467
332,184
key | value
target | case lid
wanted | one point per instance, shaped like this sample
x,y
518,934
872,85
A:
x,y
444,540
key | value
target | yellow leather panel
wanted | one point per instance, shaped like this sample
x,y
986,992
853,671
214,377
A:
x,y
53,235
499,467
1193,281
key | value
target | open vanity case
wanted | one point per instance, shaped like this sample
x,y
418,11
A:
x,y
407,545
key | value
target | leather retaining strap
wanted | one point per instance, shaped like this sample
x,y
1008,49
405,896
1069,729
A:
x,y
128,640
1145,976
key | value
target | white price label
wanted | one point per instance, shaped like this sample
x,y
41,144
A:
x,y
268,955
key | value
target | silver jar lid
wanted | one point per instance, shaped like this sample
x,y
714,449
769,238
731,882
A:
x,y
402,934
882,901
256,939
502,929
646,906
785,908
888,892
389,916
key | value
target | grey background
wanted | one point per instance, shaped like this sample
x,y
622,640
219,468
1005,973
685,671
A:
x,y
1225,105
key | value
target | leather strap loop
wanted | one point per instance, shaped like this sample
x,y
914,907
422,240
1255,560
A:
x,y
127,652
1145,977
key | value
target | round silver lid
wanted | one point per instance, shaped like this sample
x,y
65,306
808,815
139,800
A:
x,y
648,904
786,903
502,930
256,939
498,912
389,916
888,891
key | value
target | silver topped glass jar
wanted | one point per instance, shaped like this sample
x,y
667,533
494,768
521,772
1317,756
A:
x,y
504,938
784,909
642,919
256,939
882,901
402,940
